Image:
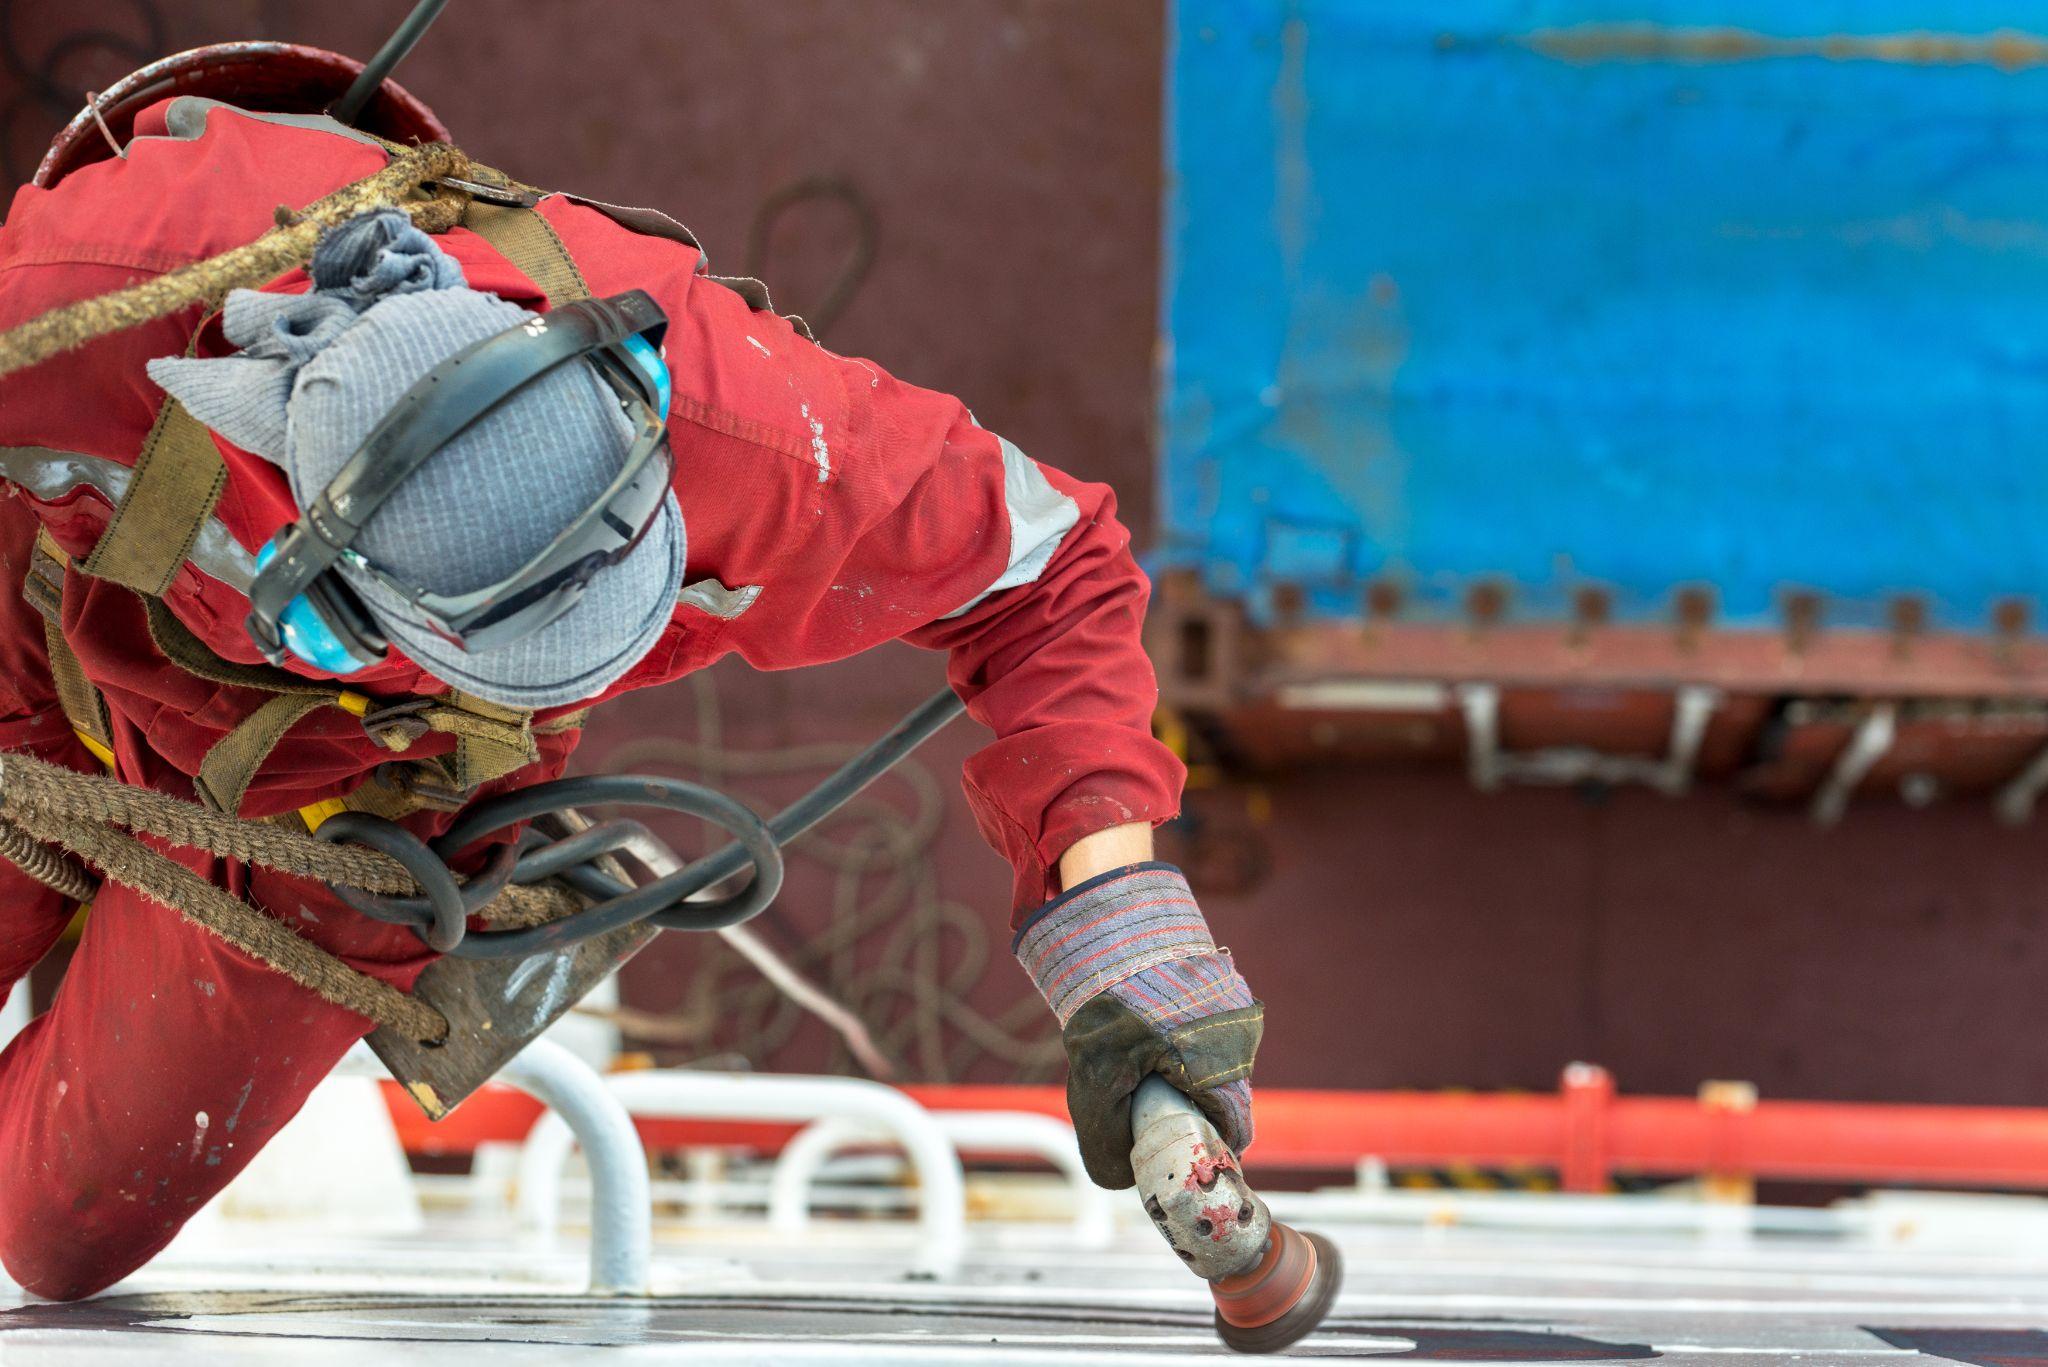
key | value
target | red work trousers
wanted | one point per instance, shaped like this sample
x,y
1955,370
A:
x,y
165,1062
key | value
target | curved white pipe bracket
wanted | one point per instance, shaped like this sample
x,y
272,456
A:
x,y
871,1107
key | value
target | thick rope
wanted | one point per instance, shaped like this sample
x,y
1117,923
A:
x,y
44,864
129,862
29,787
277,251
98,819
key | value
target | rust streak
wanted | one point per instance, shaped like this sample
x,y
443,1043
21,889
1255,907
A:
x,y
2006,49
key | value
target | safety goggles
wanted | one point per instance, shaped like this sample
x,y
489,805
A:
x,y
620,336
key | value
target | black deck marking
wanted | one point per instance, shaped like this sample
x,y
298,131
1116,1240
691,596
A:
x,y
583,1320
1505,1345
1989,1347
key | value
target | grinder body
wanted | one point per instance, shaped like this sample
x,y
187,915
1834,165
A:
x,y
1272,1284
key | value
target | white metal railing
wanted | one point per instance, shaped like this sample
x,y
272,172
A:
x,y
1005,1132
584,1109
685,1095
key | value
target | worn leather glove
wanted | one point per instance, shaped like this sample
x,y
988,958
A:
x,y
1126,962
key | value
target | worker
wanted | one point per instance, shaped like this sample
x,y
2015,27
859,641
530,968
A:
x,y
715,483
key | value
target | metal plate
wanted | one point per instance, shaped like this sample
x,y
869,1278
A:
x,y
495,1007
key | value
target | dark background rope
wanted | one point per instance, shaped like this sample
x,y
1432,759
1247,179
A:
x,y
904,957
51,82
853,269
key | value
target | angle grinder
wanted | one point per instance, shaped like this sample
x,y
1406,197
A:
x,y
1272,1284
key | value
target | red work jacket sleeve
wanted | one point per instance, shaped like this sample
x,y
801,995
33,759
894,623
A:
x,y
893,515
1050,660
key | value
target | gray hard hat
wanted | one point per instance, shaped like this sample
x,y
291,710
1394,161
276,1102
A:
x,y
317,371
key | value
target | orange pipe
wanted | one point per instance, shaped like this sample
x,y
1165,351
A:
x,y
1584,1131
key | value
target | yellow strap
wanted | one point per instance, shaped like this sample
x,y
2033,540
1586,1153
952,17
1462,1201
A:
x,y
99,752
83,706
315,813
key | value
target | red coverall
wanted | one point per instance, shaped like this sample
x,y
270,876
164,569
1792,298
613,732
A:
x,y
866,509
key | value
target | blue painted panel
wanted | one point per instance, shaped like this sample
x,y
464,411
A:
x,y
1644,295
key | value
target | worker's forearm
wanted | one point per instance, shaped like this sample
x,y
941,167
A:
x,y
1105,850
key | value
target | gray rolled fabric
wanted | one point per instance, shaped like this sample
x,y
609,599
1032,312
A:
x,y
316,372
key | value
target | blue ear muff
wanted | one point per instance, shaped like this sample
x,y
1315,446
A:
x,y
653,367
307,634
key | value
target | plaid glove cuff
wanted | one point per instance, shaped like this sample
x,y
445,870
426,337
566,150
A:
x,y
1127,963
1137,929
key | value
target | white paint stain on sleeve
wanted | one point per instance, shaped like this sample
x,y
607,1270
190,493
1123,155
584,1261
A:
x,y
756,342
820,452
199,1124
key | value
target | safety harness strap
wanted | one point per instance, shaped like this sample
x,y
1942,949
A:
x,y
176,643
234,760
529,242
490,741
231,765
178,478
83,706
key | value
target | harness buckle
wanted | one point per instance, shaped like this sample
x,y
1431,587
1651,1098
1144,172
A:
x,y
491,194
43,587
396,725
436,793
420,785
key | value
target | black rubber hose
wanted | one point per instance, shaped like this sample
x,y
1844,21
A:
x,y
828,797
550,857
418,912
661,902
366,83
448,916
627,905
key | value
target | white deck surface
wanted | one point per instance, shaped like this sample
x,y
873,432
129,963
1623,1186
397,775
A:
x,y
1970,1279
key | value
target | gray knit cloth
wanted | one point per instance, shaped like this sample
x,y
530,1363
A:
x,y
318,371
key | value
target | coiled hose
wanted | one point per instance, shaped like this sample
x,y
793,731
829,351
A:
x,y
440,912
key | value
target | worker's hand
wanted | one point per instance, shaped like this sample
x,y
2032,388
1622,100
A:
x,y
1126,962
